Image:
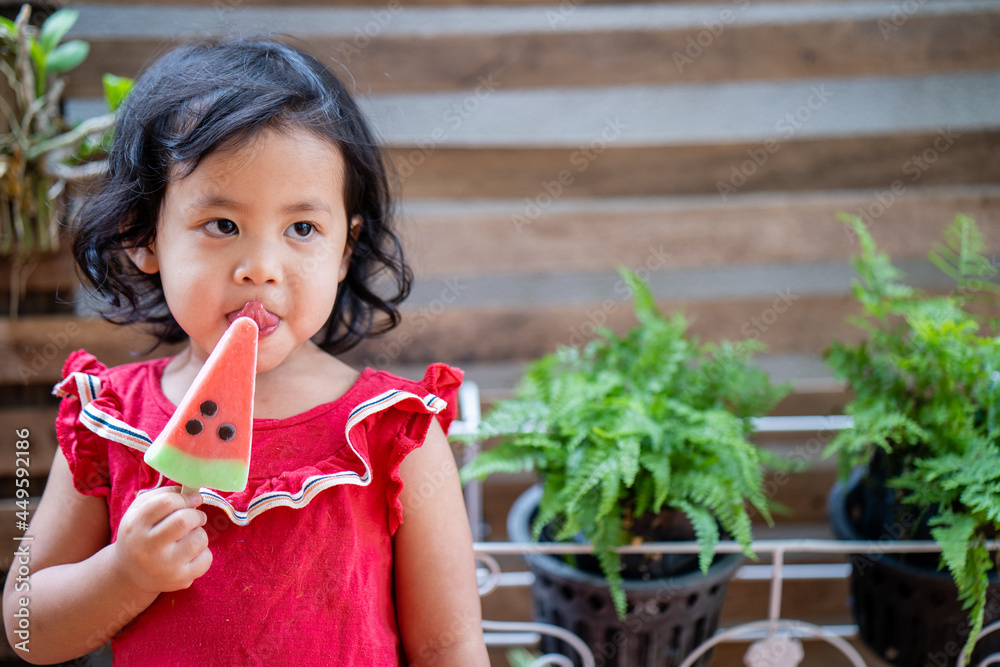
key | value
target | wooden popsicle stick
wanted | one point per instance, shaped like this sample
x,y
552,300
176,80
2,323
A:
x,y
187,489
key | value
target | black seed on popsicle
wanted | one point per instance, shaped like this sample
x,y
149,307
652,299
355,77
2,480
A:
x,y
227,432
209,408
193,426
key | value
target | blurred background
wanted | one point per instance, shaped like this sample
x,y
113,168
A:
x,y
537,147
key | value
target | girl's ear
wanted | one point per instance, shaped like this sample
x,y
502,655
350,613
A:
x,y
353,231
144,258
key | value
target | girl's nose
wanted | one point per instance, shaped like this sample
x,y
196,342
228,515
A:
x,y
260,265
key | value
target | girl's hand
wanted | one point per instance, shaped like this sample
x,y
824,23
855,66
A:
x,y
161,544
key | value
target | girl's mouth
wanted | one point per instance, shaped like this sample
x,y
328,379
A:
x,y
266,321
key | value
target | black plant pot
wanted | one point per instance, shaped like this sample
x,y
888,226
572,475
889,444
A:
x,y
907,612
667,617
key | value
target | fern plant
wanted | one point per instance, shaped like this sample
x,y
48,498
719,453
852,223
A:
x,y
628,426
926,384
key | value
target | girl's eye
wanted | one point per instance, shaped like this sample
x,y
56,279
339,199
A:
x,y
222,227
301,230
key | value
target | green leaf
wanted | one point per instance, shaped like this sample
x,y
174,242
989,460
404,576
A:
x,y
642,297
954,538
67,56
610,486
706,532
56,27
591,473
630,449
38,56
611,567
7,29
116,89
961,256
498,460
659,469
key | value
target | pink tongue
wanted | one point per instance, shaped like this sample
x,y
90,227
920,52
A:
x,y
255,310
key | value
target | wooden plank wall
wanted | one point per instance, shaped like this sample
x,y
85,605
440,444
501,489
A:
x,y
537,147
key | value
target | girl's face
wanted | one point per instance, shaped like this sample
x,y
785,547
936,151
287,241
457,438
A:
x,y
264,223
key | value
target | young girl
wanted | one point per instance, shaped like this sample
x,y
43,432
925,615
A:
x,y
243,179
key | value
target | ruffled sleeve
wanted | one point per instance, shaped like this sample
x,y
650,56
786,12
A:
x,y
85,451
443,382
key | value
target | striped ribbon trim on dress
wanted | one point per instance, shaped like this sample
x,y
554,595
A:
x,y
87,389
106,426
314,485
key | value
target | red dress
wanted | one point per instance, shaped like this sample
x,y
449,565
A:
x,y
302,570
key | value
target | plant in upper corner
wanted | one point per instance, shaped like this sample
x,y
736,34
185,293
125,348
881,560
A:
x,y
926,405
40,153
629,426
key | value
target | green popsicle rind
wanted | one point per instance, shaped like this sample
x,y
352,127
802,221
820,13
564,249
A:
x,y
221,475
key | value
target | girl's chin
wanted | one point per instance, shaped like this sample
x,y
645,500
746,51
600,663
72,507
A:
x,y
270,357
268,362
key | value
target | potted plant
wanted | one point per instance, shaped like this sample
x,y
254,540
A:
x,y
635,438
39,152
924,450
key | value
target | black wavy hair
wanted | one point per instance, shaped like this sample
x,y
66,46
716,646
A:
x,y
210,96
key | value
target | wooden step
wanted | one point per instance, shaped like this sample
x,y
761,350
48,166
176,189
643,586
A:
x,y
397,48
787,317
454,239
487,333
35,348
608,170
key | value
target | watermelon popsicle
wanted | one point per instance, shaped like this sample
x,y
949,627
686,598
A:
x,y
207,440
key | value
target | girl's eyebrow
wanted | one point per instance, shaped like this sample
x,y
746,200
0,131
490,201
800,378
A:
x,y
220,201
217,201
307,206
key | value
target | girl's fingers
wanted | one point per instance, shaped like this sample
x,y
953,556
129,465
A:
x,y
202,560
193,551
178,524
157,504
188,547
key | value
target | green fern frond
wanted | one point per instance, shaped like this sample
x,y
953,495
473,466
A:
x,y
954,533
549,510
605,538
962,258
658,467
508,460
969,563
642,297
630,450
706,531
596,466
610,490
